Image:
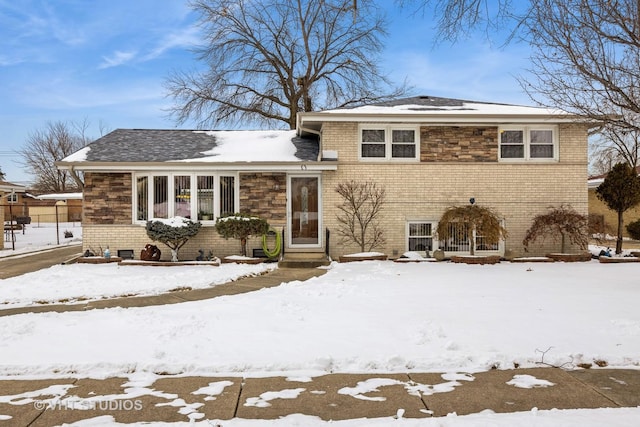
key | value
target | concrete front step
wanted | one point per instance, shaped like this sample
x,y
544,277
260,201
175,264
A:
x,y
303,260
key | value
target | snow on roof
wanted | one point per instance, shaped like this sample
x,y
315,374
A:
x,y
250,146
60,196
178,145
78,156
463,108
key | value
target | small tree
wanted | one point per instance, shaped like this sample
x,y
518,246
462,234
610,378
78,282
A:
x,y
563,223
459,222
361,209
241,226
174,232
620,191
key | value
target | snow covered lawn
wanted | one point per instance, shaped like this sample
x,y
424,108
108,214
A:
x,y
85,282
374,316
44,235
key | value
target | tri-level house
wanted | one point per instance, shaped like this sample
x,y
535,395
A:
x,y
428,154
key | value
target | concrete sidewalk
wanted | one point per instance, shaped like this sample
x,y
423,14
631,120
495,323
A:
x,y
247,284
330,397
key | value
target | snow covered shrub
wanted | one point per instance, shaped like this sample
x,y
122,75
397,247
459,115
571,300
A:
x,y
633,228
174,232
241,226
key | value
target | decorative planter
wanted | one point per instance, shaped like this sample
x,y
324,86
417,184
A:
x,y
242,260
585,256
476,259
618,260
533,259
99,260
215,263
363,257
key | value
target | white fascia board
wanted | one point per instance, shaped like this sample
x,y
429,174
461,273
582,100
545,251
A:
x,y
194,166
456,120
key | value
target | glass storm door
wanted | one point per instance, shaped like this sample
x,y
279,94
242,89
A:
x,y
304,217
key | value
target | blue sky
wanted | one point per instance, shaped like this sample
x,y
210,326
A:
x,y
106,61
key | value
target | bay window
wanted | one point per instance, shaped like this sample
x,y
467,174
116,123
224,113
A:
x,y
189,195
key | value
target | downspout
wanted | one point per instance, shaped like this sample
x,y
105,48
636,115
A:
x,y
76,178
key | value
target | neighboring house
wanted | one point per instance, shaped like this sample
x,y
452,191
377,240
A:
x,y
60,207
602,215
14,199
428,153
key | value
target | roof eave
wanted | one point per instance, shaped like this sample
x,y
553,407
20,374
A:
x,y
309,118
196,166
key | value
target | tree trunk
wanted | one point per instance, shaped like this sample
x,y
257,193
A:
x,y
619,239
243,244
562,244
472,241
174,255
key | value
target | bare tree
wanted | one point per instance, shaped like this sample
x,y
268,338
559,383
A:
x,y
268,60
457,19
361,208
614,145
45,146
585,60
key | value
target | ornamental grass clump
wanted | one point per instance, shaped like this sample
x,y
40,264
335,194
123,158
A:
x,y
174,232
241,226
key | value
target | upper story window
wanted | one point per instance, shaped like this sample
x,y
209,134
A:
x,y
389,143
12,198
197,196
535,143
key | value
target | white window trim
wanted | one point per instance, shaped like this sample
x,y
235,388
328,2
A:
x,y
436,240
388,143
527,144
171,189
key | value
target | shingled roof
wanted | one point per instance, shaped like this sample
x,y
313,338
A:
x,y
156,145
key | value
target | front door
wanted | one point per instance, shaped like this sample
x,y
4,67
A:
x,y
304,211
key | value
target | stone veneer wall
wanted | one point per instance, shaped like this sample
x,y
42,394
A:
x,y
264,194
107,198
107,219
458,144
422,191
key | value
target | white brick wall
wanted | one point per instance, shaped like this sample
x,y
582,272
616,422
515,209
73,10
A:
x,y
422,191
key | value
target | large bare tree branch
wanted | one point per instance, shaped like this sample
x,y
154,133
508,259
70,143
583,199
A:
x,y
48,145
264,61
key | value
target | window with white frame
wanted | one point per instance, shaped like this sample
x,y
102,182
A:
x,y
12,198
389,143
459,242
420,236
533,143
190,195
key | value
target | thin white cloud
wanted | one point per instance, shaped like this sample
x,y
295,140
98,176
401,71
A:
x,y
184,38
116,59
